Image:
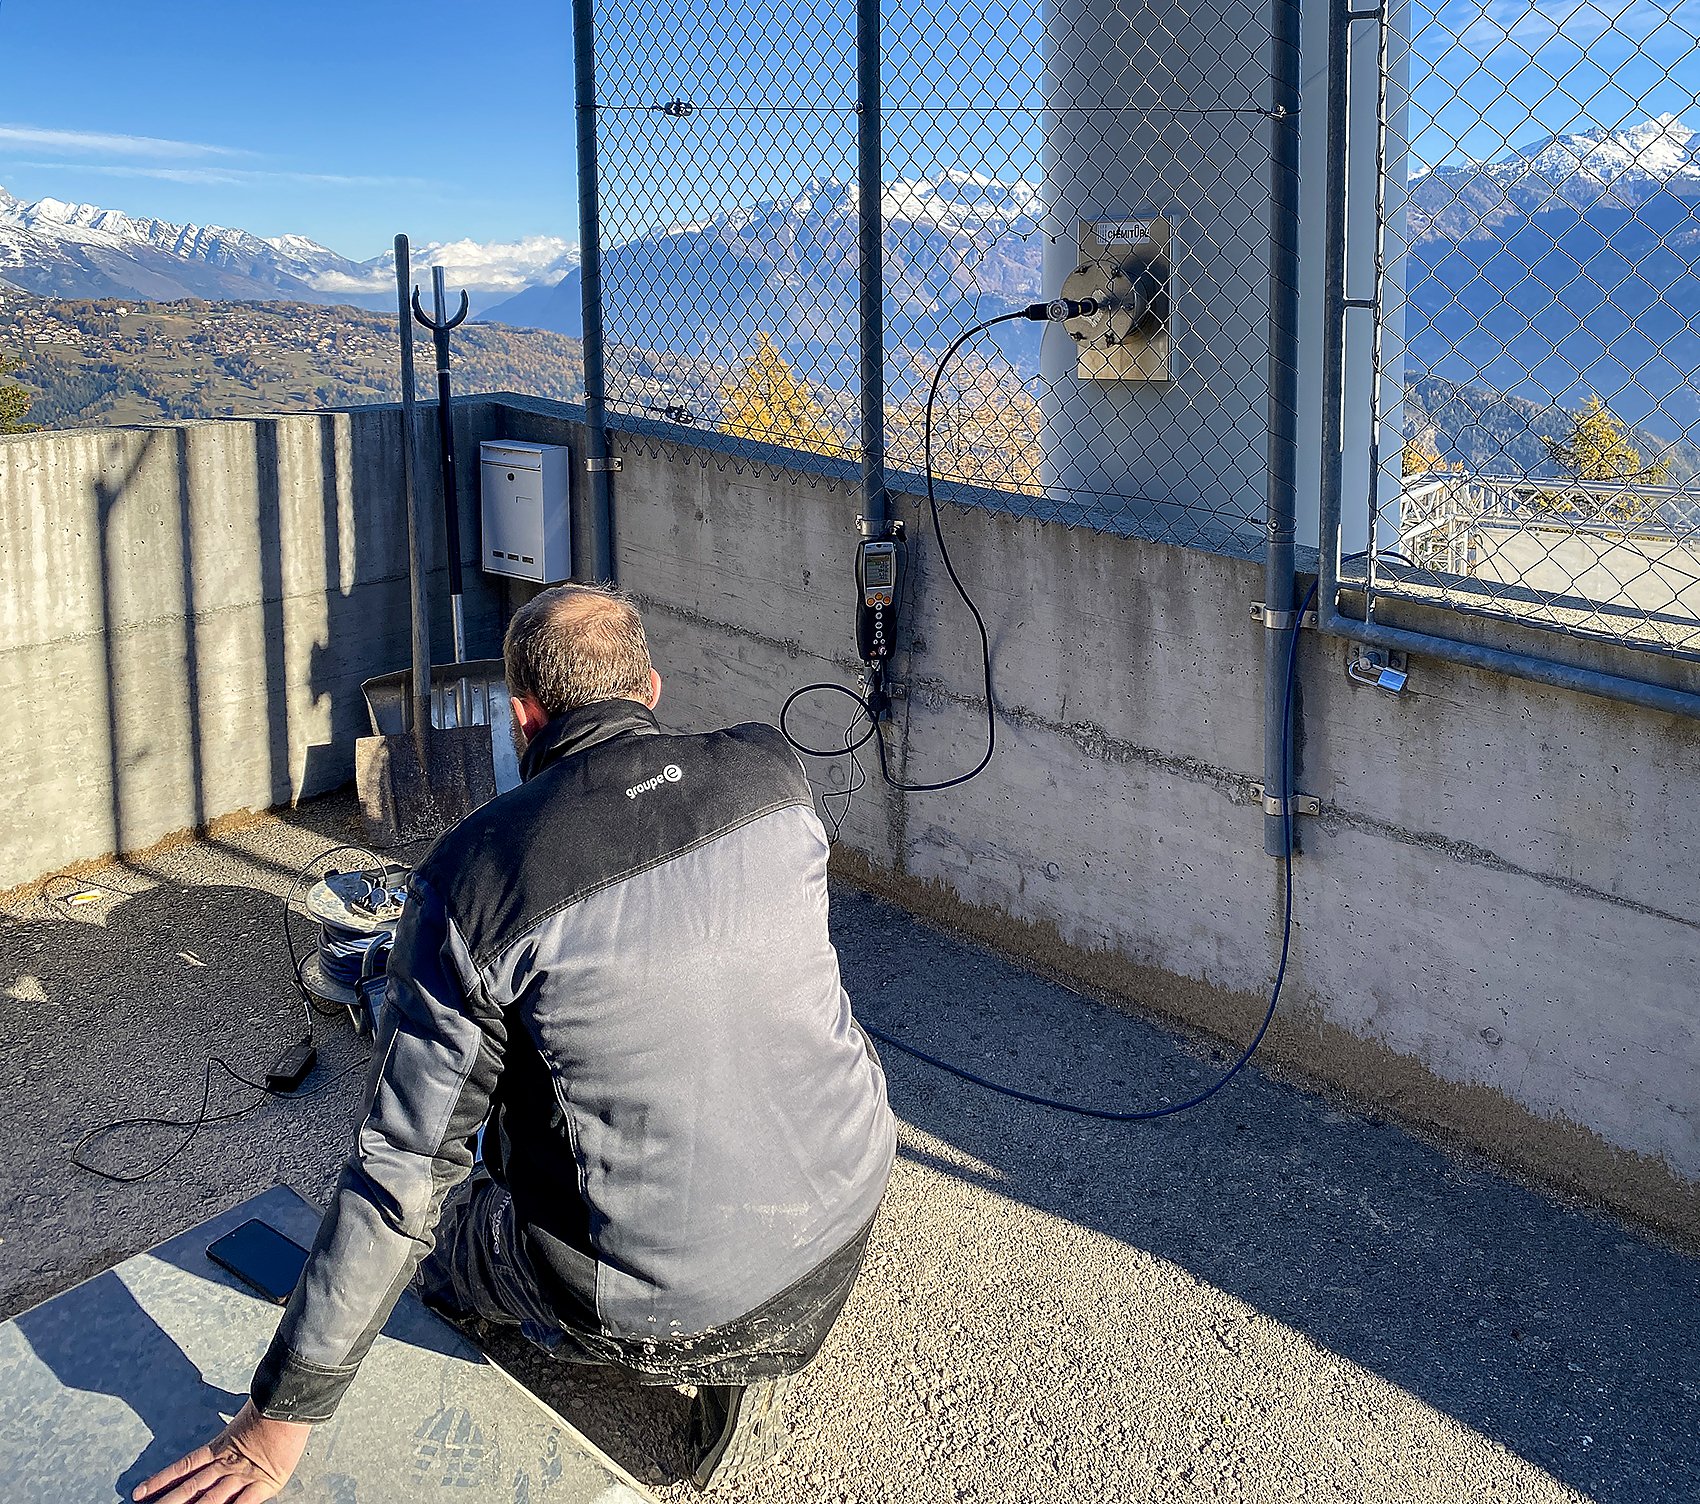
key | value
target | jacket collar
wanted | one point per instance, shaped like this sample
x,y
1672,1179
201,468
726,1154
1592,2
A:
x,y
579,730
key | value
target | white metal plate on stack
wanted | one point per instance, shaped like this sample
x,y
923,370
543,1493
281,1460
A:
x,y
103,1385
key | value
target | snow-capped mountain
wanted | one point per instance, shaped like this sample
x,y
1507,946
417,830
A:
x,y
1564,269
1599,168
789,265
81,250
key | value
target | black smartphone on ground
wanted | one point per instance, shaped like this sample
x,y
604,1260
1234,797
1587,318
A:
x,y
262,1258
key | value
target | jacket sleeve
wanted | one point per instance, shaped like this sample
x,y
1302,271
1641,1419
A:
x,y
439,1054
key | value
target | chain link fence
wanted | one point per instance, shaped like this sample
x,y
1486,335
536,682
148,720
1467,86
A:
x,y
1532,334
727,145
1117,152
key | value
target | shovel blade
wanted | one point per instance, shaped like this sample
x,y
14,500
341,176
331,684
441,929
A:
x,y
404,795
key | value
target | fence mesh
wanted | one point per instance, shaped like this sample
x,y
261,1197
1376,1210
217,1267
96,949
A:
x,y
1534,377
1021,143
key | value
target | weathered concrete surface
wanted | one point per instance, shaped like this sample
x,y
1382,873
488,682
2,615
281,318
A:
x,y
186,615
1496,916
1272,1298
1497,921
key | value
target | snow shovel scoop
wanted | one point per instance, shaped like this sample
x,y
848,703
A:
x,y
432,758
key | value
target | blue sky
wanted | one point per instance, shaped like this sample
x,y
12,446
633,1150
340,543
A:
x,y
346,122
1491,72
448,119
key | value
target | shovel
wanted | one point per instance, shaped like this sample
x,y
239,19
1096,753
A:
x,y
417,778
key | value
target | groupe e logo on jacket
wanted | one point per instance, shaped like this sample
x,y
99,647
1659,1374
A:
x,y
672,773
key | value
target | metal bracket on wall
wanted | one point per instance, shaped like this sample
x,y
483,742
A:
x,y
1303,804
1276,620
594,465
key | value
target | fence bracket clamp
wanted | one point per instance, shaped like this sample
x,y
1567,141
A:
x,y
1303,804
1277,621
594,466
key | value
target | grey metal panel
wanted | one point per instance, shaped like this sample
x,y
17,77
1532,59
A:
x,y
112,1380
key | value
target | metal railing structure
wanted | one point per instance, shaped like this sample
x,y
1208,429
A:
x,y
1513,319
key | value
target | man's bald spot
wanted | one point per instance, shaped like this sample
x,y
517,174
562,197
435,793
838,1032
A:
x,y
574,645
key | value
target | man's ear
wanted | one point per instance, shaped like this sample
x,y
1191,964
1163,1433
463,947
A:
x,y
654,690
529,716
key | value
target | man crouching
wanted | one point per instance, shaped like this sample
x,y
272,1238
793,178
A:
x,y
621,971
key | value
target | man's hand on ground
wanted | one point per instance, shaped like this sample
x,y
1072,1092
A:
x,y
248,1462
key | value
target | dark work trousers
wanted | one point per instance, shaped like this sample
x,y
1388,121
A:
x,y
480,1267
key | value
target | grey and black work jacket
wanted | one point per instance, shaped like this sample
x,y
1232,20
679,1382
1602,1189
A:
x,y
624,965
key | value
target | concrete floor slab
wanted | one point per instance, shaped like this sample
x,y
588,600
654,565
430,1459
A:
x,y
105,1384
1280,1296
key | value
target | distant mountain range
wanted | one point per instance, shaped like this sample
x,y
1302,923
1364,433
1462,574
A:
x,y
55,249
1566,267
1619,169
958,247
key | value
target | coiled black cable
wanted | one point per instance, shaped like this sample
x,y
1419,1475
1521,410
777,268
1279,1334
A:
x,y
366,976
873,703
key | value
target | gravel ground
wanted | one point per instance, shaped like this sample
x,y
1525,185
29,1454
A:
x,y
1269,1298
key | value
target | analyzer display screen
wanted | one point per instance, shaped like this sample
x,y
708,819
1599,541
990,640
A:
x,y
880,568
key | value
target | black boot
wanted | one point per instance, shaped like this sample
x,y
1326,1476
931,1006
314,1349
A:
x,y
733,1427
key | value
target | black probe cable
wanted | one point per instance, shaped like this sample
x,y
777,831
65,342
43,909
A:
x,y
1038,311
202,1117
1233,1070
873,702
199,1121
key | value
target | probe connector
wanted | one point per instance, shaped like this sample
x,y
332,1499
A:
x,y
1059,310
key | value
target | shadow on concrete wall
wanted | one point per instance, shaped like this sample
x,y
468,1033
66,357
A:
x,y
229,715
1558,1334
131,699
107,497
244,595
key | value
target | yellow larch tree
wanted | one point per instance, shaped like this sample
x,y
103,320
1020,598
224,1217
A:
x,y
766,400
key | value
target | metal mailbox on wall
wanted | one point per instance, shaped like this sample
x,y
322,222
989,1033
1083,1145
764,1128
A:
x,y
525,498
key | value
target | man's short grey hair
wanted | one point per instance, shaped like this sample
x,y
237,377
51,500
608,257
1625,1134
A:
x,y
574,645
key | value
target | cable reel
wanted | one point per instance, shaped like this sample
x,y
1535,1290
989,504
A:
x,y
357,913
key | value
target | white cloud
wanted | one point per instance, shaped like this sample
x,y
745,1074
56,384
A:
x,y
232,176
98,143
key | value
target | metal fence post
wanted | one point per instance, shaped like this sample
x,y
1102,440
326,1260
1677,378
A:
x,y
870,235
593,557
1281,474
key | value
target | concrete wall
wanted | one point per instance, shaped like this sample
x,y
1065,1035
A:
x,y
1496,914
186,615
